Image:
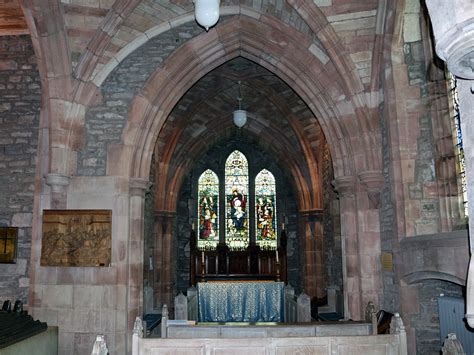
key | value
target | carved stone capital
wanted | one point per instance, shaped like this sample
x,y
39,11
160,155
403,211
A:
x,y
315,214
58,182
161,216
138,187
345,185
373,180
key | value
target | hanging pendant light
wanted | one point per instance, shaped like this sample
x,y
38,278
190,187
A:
x,y
206,12
240,116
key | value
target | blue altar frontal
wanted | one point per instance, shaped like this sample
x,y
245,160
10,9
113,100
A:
x,y
240,301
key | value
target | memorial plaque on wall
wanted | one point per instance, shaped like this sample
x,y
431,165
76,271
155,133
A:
x,y
76,238
8,240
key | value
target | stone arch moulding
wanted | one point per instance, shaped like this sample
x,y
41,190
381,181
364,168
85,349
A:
x,y
420,276
246,37
293,62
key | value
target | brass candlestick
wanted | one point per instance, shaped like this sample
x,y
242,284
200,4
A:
x,y
203,266
278,270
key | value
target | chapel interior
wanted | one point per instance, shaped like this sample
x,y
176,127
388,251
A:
x,y
317,144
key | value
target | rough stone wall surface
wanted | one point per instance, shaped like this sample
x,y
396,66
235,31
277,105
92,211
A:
x,y
388,239
187,206
426,321
20,98
331,218
105,122
183,229
423,190
149,233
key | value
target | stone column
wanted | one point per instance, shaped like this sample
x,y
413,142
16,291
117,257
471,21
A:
x,y
453,27
346,188
58,184
137,191
369,204
164,223
315,281
466,107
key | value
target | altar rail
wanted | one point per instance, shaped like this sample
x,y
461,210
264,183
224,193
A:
x,y
393,343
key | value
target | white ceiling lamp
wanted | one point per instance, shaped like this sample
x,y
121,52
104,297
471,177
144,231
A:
x,y
240,116
206,12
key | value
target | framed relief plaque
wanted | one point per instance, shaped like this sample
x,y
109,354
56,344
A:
x,y
76,238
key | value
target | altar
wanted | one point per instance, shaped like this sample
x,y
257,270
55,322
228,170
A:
x,y
240,301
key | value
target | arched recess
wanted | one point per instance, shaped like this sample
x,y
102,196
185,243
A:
x,y
304,167
304,72
295,64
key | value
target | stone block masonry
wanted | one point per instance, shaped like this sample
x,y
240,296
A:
x,y
105,122
20,98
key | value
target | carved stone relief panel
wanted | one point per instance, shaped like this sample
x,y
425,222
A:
x,y
76,238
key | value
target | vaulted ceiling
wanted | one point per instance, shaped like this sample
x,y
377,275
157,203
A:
x,y
203,116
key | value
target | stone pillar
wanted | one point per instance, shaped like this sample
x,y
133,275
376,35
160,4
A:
x,y
58,184
360,235
453,27
315,280
137,191
466,108
164,222
346,188
368,207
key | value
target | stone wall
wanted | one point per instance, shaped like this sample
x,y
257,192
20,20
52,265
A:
x,y
420,196
149,242
20,98
388,238
105,122
426,321
423,190
332,225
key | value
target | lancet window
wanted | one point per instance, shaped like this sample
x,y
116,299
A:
x,y
458,140
265,206
239,216
208,209
236,192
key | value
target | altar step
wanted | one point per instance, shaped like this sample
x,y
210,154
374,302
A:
x,y
265,330
326,338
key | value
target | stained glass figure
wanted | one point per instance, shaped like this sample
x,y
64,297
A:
x,y
265,210
208,210
236,191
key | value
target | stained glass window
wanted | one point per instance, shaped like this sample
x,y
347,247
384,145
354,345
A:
x,y
208,210
458,141
265,210
236,192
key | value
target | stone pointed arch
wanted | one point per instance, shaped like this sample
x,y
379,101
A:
x,y
317,82
242,36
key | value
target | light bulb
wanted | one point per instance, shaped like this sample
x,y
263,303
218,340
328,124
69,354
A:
x,y
206,12
240,118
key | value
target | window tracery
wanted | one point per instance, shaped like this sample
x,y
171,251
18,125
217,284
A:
x,y
238,216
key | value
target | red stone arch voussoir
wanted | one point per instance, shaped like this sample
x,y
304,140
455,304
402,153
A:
x,y
289,58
